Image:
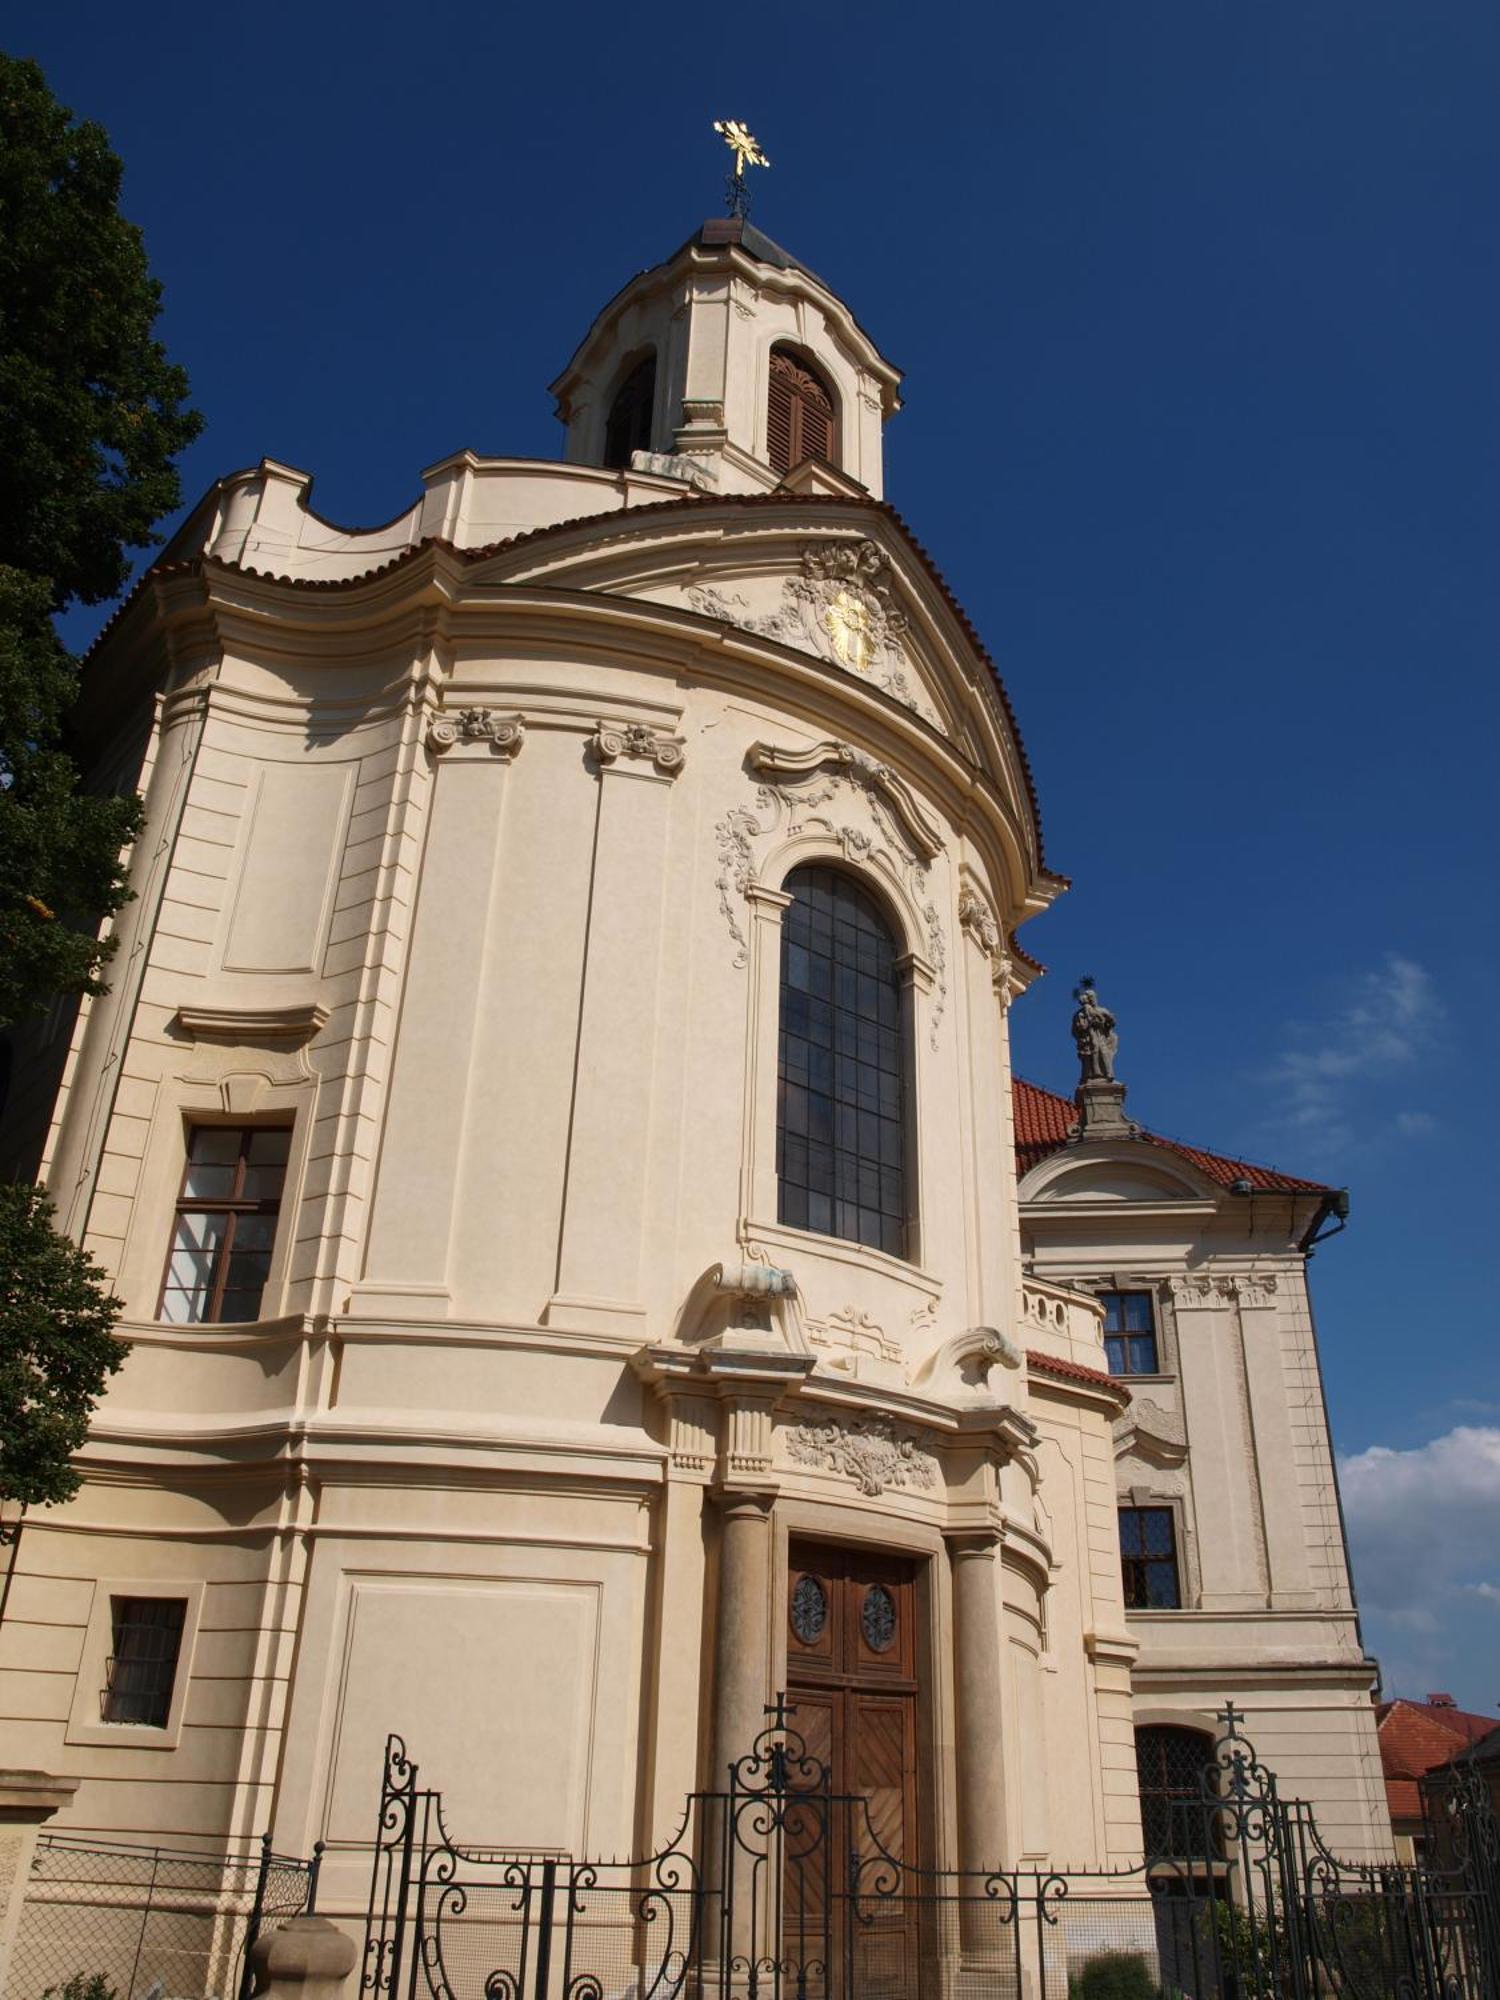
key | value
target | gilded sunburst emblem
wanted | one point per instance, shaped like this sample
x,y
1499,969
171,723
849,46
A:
x,y
849,620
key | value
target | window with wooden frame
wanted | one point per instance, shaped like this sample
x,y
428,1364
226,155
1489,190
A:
x,y
1130,1333
226,1223
1148,1559
141,1671
843,1065
627,429
800,420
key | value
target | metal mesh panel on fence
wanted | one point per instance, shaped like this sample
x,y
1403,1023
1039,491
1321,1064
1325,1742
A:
x,y
150,1923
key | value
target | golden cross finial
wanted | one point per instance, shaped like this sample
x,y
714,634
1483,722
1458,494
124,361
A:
x,y
745,146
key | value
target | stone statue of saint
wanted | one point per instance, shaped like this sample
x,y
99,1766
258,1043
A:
x,y
1094,1034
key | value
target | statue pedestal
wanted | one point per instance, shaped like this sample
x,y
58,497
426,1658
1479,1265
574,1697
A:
x,y
1101,1112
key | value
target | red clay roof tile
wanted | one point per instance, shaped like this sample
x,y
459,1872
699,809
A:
x,y
1074,1371
1416,1736
1043,1121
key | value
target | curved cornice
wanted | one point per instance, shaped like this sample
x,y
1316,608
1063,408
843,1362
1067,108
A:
x,y
444,565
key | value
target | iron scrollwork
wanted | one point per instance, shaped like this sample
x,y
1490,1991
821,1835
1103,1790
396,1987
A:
x,y
779,1887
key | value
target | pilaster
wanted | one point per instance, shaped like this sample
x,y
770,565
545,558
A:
x,y
1217,1415
1278,1475
599,1257
406,1269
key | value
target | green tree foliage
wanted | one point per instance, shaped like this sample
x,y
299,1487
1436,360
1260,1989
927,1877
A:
x,y
56,1349
92,416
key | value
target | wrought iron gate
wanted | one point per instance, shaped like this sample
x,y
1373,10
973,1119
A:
x,y
778,1888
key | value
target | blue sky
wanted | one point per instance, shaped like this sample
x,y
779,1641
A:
x,y
1198,308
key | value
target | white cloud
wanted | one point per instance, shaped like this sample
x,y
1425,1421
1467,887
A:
x,y
1423,1528
1323,1074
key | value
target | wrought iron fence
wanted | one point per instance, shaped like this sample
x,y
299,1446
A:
x,y
153,1924
779,1888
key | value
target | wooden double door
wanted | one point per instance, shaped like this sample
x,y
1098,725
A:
x,y
852,1673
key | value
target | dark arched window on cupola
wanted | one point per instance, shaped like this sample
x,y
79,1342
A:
x,y
800,414
628,427
843,1066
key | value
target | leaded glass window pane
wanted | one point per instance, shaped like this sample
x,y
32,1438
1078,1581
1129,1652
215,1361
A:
x,y
1148,1559
1176,1818
840,1126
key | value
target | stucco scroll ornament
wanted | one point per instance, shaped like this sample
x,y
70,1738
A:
x,y
503,733
978,922
797,787
841,603
1156,1434
869,1450
612,741
850,1333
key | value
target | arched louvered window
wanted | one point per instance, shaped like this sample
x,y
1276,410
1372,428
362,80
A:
x,y
841,1119
800,416
1175,1818
628,427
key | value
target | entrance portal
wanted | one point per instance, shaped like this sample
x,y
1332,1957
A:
x,y
852,1677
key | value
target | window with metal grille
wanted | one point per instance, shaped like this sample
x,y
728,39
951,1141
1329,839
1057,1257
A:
x,y
1130,1332
226,1223
146,1634
1175,1820
841,1077
799,415
1148,1557
628,426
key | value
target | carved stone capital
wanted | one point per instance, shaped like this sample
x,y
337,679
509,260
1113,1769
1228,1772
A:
x,y
980,1544
1255,1291
1200,1294
503,733
637,742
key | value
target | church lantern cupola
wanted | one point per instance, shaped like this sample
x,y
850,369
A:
x,y
733,366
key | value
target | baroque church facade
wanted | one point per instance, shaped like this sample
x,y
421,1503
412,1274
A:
x,y
587,1262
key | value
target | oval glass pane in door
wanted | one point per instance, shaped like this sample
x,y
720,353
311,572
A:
x,y
877,1618
809,1613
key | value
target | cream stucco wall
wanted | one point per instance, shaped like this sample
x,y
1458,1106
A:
x,y
464,855
1233,1436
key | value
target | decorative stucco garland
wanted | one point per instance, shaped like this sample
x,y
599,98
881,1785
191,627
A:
x,y
868,1450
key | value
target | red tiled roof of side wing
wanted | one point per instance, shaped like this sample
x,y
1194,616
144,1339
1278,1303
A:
x,y
1074,1371
1043,1120
1415,1737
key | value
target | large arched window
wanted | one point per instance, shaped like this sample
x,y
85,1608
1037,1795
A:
x,y
800,415
841,1147
1169,1764
628,427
